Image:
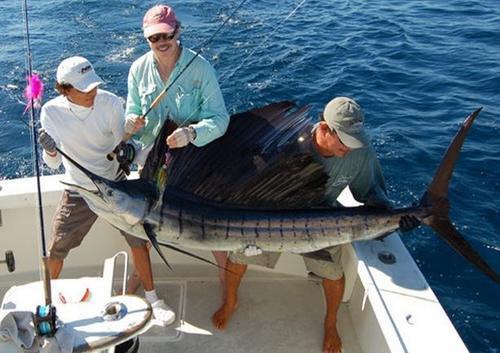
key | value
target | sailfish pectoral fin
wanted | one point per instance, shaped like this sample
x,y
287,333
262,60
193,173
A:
x,y
194,256
447,231
152,238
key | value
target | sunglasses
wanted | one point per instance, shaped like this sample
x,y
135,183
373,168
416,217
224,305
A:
x,y
165,36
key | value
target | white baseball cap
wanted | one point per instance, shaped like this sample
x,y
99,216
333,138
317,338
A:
x,y
79,73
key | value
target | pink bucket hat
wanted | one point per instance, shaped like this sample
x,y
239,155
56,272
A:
x,y
159,19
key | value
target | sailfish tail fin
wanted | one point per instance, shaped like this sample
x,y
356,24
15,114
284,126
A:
x,y
436,198
450,234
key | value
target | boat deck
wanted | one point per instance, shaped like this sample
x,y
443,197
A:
x,y
276,313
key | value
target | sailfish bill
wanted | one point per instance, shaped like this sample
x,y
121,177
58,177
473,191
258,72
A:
x,y
259,185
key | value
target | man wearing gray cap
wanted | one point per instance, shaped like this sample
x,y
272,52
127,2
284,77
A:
x,y
86,123
344,150
342,147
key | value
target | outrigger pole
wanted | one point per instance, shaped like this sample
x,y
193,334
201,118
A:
x,y
45,316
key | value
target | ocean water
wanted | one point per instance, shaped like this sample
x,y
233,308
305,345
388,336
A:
x,y
418,68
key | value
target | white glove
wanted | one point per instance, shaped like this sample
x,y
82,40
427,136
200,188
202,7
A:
x,y
133,124
252,250
181,137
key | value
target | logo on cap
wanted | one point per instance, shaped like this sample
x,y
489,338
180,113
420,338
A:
x,y
352,124
85,69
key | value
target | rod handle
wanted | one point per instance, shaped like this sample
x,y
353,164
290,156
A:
x,y
46,280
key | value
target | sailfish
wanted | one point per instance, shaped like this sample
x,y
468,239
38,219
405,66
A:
x,y
260,186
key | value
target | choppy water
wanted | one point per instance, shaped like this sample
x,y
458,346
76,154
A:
x,y
417,67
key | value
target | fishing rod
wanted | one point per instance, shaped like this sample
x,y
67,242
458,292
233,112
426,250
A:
x,y
242,62
110,156
45,316
127,156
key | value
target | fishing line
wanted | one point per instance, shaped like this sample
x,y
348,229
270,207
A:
x,y
111,155
160,96
225,78
205,99
265,40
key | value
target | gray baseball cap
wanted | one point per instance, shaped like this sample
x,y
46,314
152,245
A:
x,y
345,117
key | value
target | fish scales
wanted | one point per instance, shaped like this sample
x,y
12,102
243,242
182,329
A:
x,y
234,230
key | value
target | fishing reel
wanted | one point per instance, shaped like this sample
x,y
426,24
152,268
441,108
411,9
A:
x,y
125,154
9,260
45,320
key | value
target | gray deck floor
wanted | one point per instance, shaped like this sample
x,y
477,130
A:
x,y
275,314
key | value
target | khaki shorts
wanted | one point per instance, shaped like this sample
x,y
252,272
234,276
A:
x,y
72,222
326,263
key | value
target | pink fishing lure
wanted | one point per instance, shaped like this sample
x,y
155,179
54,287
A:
x,y
33,92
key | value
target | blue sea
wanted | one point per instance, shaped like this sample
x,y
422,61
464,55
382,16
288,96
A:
x,y
418,68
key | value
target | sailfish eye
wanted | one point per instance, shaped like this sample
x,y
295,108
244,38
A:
x,y
109,192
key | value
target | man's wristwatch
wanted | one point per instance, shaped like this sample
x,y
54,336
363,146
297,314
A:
x,y
192,132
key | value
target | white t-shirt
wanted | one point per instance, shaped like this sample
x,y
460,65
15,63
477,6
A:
x,y
85,134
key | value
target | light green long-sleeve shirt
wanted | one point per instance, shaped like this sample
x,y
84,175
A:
x,y
194,99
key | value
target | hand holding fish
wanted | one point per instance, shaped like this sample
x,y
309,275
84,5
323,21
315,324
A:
x,y
181,137
407,223
47,142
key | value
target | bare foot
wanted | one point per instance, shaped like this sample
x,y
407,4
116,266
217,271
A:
x,y
331,340
221,317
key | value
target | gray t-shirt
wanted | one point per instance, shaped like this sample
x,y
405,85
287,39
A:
x,y
360,169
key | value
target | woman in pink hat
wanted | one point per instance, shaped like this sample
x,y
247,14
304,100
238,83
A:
x,y
194,101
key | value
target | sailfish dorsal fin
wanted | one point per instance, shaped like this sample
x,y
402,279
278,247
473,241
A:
x,y
263,160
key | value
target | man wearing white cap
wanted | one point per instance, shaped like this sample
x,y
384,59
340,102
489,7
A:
x,y
86,123
342,147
